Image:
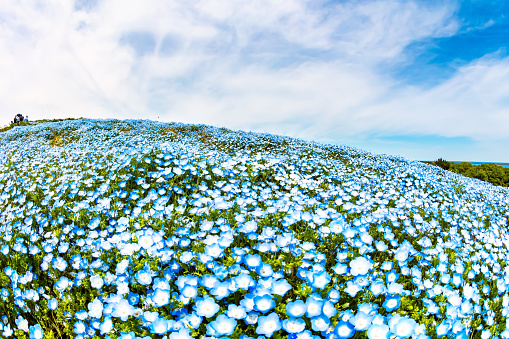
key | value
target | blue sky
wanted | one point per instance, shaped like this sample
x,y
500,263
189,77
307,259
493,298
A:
x,y
420,79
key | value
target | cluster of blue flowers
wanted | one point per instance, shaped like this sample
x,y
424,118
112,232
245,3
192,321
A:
x,y
137,229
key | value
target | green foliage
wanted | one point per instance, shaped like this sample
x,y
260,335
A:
x,y
31,123
492,173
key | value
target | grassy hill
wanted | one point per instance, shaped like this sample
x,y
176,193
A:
x,y
140,229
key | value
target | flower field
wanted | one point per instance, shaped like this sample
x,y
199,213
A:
x,y
139,229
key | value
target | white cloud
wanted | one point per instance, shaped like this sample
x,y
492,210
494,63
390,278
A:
x,y
297,67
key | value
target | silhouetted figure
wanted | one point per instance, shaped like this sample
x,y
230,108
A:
x,y
18,118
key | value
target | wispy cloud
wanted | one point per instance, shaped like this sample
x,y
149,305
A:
x,y
317,70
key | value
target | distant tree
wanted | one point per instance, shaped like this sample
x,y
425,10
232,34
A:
x,y
463,168
443,164
495,174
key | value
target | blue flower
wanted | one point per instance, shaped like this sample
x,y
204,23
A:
x,y
224,325
314,306
123,310
79,327
143,277
320,323
161,297
52,304
405,327
264,270
378,331
95,308
267,325
237,312
361,321
377,288
344,330
280,287
220,290
296,309
320,280
352,288
328,309
294,325
392,302
264,303
62,284
244,281
392,276
159,326
183,333
206,307
360,266
36,332
253,260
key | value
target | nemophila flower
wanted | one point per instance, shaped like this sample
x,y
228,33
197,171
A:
x,y
378,331
206,307
401,255
52,304
392,302
264,303
296,308
133,298
377,288
36,332
361,321
404,328
444,328
123,310
143,277
150,316
294,325
395,288
22,323
328,309
360,266
95,308
129,335
220,290
236,312
79,327
386,265
159,326
352,288
183,333
62,284
160,297
314,307
81,315
264,270
223,325
392,276
320,323
253,260
244,281
334,295
190,291
269,324
209,281
320,280
362,280
344,330
7,331
280,287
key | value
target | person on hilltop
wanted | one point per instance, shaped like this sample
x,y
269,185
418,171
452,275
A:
x,y
18,118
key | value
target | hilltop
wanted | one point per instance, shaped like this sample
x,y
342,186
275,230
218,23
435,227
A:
x,y
139,229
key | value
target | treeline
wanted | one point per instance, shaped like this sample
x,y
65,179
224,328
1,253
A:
x,y
492,173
